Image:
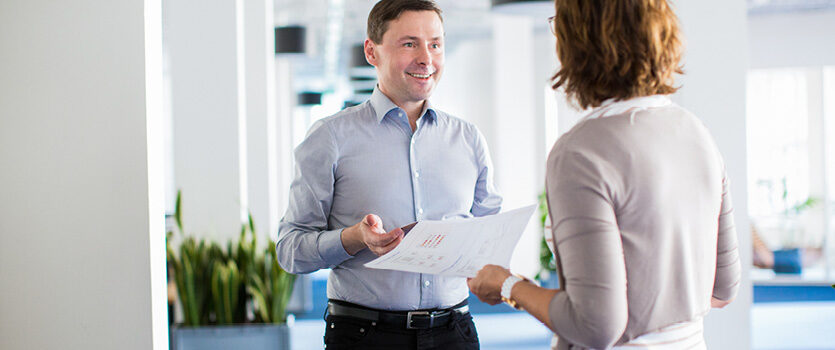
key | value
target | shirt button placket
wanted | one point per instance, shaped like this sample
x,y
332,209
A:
x,y
424,290
426,295
415,180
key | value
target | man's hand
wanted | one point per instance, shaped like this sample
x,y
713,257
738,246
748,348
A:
x,y
369,233
487,284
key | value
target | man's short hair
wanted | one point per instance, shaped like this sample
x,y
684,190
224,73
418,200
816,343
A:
x,y
616,49
386,11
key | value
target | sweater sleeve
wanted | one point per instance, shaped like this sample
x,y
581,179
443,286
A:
x,y
728,267
592,311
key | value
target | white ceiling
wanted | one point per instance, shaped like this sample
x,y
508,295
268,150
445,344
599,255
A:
x,y
756,7
461,16
335,25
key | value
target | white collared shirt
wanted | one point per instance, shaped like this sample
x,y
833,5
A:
x,y
612,106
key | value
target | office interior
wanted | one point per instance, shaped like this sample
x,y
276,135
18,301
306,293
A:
x,y
109,109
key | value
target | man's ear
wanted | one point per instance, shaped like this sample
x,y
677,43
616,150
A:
x,y
370,54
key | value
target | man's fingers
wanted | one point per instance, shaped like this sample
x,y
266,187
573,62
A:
x,y
393,244
374,221
383,249
383,239
398,232
369,220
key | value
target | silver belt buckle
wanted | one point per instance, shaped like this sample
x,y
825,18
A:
x,y
418,313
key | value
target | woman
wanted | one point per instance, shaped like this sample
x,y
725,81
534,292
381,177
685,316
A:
x,y
639,202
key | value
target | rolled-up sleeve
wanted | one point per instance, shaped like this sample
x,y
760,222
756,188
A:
x,y
304,242
592,311
486,200
728,266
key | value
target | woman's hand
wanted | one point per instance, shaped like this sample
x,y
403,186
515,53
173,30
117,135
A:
x,y
487,284
719,304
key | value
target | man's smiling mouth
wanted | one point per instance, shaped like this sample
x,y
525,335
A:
x,y
420,76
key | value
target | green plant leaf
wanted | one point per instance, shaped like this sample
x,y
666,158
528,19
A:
x,y
178,213
251,224
217,294
216,281
190,307
260,302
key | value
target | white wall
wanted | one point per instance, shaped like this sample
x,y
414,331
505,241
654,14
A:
x,y
798,39
205,49
713,88
517,156
262,164
465,88
284,127
545,65
82,239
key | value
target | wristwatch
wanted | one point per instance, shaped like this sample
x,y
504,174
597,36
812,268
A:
x,y
508,284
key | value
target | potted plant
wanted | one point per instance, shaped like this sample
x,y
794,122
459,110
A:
x,y
231,298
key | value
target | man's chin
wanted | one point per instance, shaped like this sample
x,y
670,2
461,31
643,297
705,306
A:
x,y
422,94
421,97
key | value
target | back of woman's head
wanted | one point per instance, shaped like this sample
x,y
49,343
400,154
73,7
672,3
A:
x,y
616,49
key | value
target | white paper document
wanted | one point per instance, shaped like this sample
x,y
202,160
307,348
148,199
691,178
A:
x,y
457,247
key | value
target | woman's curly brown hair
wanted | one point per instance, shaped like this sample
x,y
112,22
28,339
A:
x,y
616,49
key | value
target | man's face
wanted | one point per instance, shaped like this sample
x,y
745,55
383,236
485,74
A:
x,y
410,58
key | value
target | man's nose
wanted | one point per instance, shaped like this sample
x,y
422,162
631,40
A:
x,y
424,56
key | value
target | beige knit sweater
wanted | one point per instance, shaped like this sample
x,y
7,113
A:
x,y
643,226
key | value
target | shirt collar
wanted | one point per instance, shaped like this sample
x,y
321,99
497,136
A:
x,y
612,106
383,106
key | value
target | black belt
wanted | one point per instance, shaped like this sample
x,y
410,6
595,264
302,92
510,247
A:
x,y
420,319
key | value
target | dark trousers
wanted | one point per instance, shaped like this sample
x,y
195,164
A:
x,y
343,333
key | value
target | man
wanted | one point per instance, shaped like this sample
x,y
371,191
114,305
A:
x,y
372,168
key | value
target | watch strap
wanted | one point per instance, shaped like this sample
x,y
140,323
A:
x,y
507,285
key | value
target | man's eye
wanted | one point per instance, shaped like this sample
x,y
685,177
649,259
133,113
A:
x,y
408,45
435,46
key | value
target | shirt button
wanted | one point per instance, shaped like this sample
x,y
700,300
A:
x,y
426,283
420,211
417,174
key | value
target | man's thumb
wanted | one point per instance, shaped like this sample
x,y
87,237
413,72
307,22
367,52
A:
x,y
371,220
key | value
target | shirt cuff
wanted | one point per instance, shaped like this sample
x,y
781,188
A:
x,y
331,249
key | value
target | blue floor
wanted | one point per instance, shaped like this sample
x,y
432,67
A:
x,y
782,318
774,326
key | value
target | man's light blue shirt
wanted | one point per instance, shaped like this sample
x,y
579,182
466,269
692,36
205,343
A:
x,y
366,160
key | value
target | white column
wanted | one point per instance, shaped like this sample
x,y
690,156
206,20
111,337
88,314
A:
x,y
82,242
714,90
545,58
517,154
260,102
829,181
816,218
204,43
284,145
